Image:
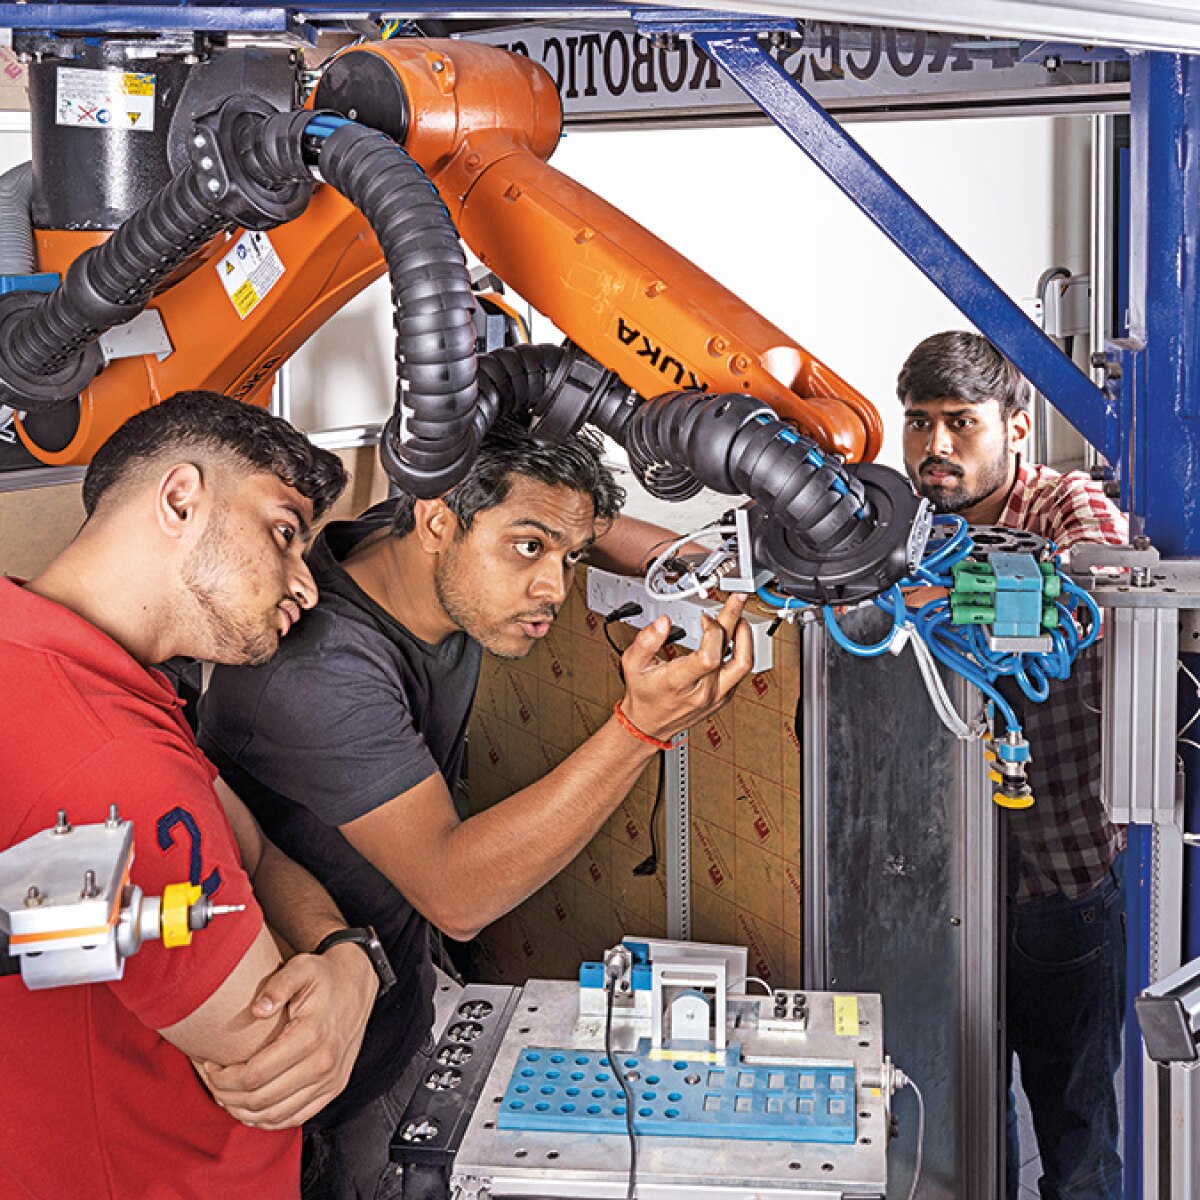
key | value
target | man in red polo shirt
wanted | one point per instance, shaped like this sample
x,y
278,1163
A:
x,y
198,512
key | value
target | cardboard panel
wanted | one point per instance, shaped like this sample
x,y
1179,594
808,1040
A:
x,y
745,833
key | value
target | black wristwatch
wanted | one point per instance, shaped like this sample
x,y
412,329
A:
x,y
365,937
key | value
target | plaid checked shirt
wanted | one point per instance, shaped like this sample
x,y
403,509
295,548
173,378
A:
x,y
1065,842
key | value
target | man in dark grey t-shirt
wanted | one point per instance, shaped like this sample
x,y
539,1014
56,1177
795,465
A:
x,y
348,745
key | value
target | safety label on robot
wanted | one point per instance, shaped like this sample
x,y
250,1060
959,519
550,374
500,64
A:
x,y
105,99
249,271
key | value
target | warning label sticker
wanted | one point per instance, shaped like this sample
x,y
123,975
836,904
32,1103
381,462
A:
x,y
105,99
845,1016
249,271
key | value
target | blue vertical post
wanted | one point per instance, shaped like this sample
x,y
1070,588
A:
x,y
1163,438
1164,301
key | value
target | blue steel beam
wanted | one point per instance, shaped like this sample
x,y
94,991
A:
x,y
245,18
1164,327
145,18
940,258
1164,297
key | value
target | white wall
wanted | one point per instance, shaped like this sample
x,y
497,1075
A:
x,y
750,209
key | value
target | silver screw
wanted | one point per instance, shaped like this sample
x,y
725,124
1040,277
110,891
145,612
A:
x,y
114,817
419,1131
214,185
62,825
90,890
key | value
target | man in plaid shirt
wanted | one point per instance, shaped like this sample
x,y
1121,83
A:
x,y
965,421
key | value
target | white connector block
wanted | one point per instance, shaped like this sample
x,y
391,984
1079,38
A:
x,y
607,591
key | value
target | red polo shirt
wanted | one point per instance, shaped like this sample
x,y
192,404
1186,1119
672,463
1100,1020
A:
x,y
93,1101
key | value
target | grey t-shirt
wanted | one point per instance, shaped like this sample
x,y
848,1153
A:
x,y
350,713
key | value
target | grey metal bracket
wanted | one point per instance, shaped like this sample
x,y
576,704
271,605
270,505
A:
x,y
678,841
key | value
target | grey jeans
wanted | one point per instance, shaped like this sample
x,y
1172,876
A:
x,y
351,1161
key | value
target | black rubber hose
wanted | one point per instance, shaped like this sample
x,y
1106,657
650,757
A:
x,y
515,382
734,444
431,437
826,532
113,283
562,389
247,170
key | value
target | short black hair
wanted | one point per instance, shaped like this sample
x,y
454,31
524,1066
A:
x,y
965,366
509,449
209,423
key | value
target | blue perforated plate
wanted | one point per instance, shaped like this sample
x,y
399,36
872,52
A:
x,y
576,1091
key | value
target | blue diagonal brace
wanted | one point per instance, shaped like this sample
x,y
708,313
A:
x,y
935,254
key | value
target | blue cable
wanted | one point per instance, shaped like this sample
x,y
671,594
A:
x,y
323,124
899,613
964,649
775,600
958,541
971,674
1069,585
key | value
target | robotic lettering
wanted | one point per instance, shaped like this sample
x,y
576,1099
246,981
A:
x,y
408,145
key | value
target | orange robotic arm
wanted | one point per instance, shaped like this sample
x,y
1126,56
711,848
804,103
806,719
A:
x,y
481,122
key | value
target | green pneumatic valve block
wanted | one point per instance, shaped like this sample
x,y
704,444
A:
x,y
1013,593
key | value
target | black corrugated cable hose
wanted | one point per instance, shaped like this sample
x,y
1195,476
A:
x,y
242,173
828,533
106,286
562,389
432,435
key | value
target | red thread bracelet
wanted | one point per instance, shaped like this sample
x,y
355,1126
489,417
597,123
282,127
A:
x,y
631,728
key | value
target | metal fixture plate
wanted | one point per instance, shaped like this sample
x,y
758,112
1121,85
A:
x,y
565,1091
522,1163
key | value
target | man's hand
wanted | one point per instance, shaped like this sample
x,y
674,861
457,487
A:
x,y
918,597
663,698
327,999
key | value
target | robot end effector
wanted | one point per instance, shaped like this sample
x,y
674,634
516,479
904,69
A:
x,y
82,918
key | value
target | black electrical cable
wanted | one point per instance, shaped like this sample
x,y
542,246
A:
x,y
649,864
631,1189
631,608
